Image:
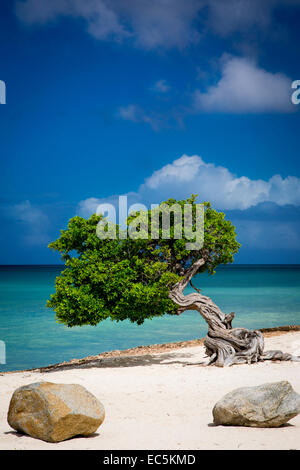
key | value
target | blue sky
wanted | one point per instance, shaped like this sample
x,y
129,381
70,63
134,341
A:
x,y
152,98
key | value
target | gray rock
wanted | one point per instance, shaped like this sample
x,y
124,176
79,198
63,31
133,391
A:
x,y
54,412
265,406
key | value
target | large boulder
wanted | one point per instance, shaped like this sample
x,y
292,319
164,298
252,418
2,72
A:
x,y
268,405
54,412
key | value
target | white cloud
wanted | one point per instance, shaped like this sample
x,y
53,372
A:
x,y
246,88
180,170
265,212
190,174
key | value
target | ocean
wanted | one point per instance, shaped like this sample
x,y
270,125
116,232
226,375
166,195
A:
x,y
261,295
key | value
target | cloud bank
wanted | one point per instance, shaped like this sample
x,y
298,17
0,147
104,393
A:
x,y
266,213
156,23
244,87
227,191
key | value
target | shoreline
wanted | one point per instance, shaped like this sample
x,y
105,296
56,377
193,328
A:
x,y
163,400
140,351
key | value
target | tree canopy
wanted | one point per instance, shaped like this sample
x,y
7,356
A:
x,y
131,278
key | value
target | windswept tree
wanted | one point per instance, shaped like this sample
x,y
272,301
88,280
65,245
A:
x,y
140,277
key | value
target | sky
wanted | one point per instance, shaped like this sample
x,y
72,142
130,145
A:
x,y
151,99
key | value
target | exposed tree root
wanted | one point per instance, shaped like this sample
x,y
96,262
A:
x,y
224,345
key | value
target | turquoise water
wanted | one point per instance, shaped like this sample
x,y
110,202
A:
x,y
261,296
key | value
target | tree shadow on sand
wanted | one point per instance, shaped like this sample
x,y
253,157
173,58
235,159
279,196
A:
x,y
127,361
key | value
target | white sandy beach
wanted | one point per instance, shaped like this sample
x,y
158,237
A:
x,y
156,402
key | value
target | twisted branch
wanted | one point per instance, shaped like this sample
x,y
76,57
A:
x,y
224,345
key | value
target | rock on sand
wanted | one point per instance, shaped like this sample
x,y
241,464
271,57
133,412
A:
x,y
54,412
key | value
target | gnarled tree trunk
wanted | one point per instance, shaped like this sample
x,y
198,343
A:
x,y
224,345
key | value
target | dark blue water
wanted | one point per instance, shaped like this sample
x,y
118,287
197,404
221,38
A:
x,y
261,296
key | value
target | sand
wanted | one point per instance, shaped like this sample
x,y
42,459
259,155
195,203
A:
x,y
157,401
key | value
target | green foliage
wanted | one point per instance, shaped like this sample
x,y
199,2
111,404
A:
x,y
130,278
